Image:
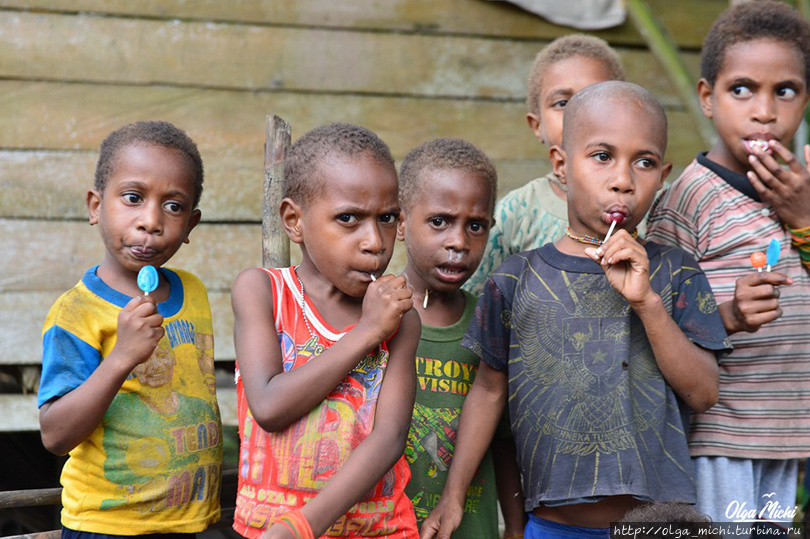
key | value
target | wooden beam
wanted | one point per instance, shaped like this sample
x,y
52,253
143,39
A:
x,y
275,243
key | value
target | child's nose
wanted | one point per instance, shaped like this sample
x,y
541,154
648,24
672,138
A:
x,y
151,219
764,108
372,240
457,239
622,180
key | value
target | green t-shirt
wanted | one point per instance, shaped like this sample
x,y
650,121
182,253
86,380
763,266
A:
x,y
445,373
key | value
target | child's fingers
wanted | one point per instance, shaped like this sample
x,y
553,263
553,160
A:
x,y
807,155
765,179
787,156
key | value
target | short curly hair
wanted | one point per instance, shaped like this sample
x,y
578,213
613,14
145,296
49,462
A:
x,y
749,21
439,154
564,48
316,147
150,132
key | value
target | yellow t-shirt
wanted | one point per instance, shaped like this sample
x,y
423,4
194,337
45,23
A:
x,y
153,464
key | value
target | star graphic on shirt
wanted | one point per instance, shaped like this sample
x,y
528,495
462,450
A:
x,y
599,357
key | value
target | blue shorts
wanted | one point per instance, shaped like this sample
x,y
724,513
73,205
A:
x,y
67,533
539,528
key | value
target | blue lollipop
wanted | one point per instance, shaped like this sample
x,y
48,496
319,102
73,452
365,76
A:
x,y
772,254
147,279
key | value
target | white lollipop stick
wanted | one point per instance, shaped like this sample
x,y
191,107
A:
x,y
610,231
373,278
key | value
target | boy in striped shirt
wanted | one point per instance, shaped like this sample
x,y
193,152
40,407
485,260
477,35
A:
x,y
730,202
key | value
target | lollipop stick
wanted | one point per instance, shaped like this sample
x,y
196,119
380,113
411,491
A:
x,y
610,231
373,278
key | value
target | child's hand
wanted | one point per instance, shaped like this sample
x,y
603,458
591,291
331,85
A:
x,y
786,189
442,521
386,300
756,301
139,330
626,266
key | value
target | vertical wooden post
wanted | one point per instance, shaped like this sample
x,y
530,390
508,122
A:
x,y
275,243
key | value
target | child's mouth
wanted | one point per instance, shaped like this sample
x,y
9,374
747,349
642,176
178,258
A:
x,y
754,146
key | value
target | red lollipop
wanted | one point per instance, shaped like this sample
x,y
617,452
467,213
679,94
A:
x,y
759,260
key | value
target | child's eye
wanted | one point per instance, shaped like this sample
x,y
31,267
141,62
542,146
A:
x,y
389,218
346,218
477,227
559,104
786,93
437,222
132,198
173,207
602,157
646,162
741,91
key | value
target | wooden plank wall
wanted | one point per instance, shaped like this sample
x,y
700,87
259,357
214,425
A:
x,y
411,70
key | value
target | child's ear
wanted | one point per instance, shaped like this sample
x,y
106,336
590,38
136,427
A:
x,y
401,225
93,205
534,124
705,93
665,170
196,215
291,214
558,157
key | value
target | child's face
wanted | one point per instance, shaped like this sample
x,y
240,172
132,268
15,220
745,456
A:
x,y
446,230
613,165
759,94
561,81
347,231
145,212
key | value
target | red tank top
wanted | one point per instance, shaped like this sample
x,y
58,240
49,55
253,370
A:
x,y
281,471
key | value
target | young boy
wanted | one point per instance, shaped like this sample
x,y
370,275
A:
x,y
325,370
535,214
601,347
729,203
124,387
447,193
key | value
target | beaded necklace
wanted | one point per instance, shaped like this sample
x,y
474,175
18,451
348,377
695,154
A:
x,y
590,240
303,305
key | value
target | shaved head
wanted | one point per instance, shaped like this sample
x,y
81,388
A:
x,y
601,98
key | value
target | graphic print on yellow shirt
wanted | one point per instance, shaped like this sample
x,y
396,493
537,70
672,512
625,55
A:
x,y
153,465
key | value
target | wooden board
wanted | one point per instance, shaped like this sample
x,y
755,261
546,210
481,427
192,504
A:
x,y
251,57
225,122
687,20
52,184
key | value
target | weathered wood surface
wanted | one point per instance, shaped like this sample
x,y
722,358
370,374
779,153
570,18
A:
x,y
245,57
688,20
29,188
71,71
275,243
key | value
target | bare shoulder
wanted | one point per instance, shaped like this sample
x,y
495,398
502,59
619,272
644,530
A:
x,y
251,287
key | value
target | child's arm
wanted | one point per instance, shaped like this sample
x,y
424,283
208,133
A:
x,y
375,455
277,398
67,421
480,413
690,370
510,492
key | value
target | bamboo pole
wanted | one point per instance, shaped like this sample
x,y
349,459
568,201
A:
x,y
665,51
275,243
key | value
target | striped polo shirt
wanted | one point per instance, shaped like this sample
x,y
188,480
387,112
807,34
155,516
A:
x,y
764,406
